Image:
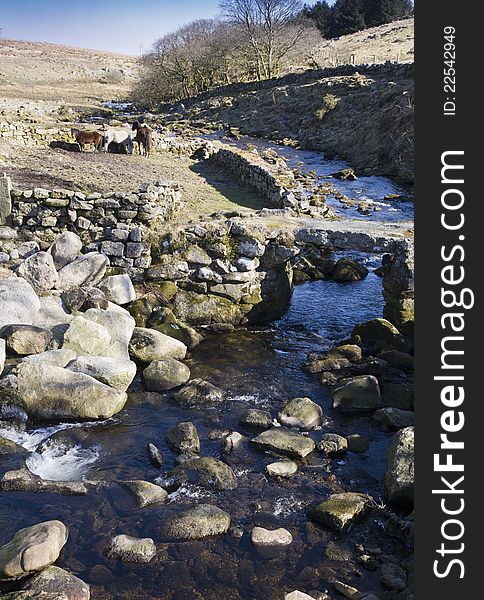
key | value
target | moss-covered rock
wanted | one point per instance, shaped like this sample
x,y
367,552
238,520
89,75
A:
x,y
302,413
376,330
182,332
166,374
399,478
339,510
348,270
204,309
205,471
332,444
354,394
195,523
182,438
199,392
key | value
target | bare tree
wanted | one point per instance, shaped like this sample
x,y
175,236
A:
x,y
271,27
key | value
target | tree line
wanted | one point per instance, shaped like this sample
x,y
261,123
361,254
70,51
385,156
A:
x,y
349,16
251,40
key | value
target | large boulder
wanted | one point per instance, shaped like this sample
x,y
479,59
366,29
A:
x,y
39,271
376,330
49,392
339,510
26,339
355,394
283,441
19,302
118,289
195,523
56,358
53,315
166,374
65,249
115,372
84,336
399,479
147,345
32,549
347,270
119,324
54,580
182,438
302,413
88,269
204,309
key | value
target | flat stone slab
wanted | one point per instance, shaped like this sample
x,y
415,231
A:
x,y
284,441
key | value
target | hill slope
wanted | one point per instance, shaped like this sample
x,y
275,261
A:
x,y
51,72
390,42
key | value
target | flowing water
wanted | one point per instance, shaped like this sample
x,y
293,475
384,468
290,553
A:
x,y
257,368
392,202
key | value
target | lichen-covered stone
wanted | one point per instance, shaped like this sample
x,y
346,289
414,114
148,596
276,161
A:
x,y
302,413
399,478
355,394
166,374
199,522
32,549
338,510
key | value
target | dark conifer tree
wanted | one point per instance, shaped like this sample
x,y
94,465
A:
x,y
321,14
348,17
378,12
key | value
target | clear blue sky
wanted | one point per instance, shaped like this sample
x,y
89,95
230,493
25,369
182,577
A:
x,y
114,25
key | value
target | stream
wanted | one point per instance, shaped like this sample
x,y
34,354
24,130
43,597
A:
x,y
258,368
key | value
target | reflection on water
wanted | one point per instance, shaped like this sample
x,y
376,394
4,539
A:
x,y
257,368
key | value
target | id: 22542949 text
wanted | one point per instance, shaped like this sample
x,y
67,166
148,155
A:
x,y
449,71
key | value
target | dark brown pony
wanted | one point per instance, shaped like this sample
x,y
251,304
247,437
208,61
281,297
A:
x,y
144,137
87,137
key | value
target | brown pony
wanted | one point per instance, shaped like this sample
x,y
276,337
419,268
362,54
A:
x,y
87,137
144,137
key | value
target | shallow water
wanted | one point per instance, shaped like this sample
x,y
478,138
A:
x,y
257,368
372,190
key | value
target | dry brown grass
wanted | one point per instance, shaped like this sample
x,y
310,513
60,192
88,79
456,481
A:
x,y
56,73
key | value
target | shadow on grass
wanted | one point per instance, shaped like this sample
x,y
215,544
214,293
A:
x,y
227,186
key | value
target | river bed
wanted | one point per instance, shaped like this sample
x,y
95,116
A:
x,y
259,368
